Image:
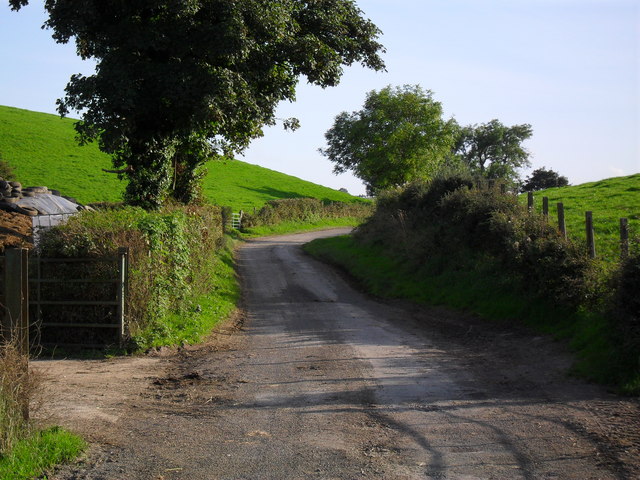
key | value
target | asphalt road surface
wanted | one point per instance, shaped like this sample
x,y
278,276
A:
x,y
316,380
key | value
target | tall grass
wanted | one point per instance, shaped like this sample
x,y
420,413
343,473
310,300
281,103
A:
x,y
17,388
25,450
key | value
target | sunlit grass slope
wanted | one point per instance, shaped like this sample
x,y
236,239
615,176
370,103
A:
x,y
244,186
42,150
609,200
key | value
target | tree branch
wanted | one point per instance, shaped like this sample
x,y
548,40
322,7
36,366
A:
x,y
128,169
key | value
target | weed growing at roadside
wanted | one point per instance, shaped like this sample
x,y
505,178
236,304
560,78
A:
x,y
33,455
17,387
26,452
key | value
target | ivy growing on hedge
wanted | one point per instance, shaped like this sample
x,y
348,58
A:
x,y
171,252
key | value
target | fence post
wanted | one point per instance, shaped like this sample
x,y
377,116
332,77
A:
x,y
624,238
545,208
123,280
591,242
530,201
15,321
562,226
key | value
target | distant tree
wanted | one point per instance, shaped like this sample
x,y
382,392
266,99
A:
x,y
493,150
343,190
542,178
398,136
180,82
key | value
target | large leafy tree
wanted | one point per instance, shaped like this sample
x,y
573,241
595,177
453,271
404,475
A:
x,y
493,150
178,81
398,136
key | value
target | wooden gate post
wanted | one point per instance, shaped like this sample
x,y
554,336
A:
x,y
562,226
123,279
591,241
15,321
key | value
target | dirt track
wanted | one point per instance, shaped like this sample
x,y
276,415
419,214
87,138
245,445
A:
x,y
315,380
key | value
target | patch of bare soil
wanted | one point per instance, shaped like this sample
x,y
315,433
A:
x,y
15,230
92,397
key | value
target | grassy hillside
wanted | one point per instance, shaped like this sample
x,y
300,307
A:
x,y
42,150
245,186
609,200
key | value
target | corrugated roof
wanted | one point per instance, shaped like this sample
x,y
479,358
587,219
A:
x,y
35,201
48,204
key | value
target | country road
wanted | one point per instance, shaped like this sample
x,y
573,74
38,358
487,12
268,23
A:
x,y
315,380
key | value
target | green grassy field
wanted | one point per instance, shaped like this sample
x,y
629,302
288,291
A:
x,y
42,150
244,186
609,200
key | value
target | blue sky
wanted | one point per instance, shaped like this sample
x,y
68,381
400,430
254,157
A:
x,y
570,68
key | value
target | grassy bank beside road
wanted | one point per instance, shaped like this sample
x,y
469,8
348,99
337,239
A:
x,y
481,292
26,451
36,454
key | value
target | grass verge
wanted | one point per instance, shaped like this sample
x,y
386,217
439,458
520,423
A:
x,y
33,456
492,297
206,312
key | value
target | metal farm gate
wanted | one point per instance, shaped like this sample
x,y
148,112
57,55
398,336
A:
x,y
52,302
78,301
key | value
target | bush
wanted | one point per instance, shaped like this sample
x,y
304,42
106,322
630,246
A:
x,y
6,171
447,229
624,312
449,219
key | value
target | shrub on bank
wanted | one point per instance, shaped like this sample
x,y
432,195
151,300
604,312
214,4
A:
x,y
624,313
172,254
461,226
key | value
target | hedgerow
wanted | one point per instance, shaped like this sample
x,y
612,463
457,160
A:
x,y
304,210
172,253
